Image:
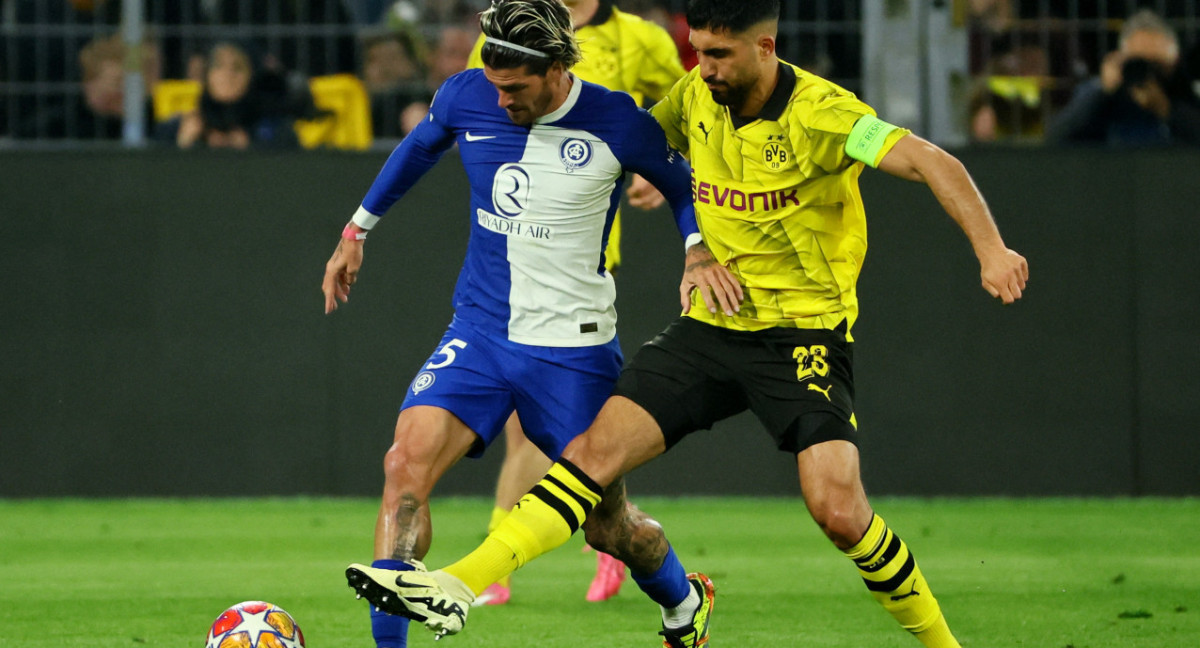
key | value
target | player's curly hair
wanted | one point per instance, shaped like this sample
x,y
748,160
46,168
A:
x,y
540,25
732,15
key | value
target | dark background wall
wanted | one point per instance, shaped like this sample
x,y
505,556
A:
x,y
162,332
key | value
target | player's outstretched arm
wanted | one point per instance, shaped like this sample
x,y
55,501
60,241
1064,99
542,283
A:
x,y
341,271
716,283
1003,272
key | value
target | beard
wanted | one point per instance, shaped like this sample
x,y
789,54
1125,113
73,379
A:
x,y
729,95
520,117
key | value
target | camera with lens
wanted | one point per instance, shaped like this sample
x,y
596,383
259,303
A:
x,y
1137,71
1176,83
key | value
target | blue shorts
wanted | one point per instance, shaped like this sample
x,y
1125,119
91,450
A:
x,y
482,379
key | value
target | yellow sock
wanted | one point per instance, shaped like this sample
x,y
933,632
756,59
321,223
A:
x,y
545,518
891,573
498,515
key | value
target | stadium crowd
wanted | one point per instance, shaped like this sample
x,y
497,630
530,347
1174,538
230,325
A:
x,y
247,65
1036,75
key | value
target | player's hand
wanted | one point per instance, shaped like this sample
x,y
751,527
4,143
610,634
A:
x,y
1004,275
341,271
642,194
716,283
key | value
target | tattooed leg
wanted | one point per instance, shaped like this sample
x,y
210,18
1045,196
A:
x,y
428,441
620,529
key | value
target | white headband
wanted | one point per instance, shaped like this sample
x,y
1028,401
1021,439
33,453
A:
x,y
514,46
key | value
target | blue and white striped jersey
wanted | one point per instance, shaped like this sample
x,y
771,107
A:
x,y
542,203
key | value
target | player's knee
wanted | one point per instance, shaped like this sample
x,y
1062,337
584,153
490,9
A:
x,y
597,458
843,519
394,460
403,470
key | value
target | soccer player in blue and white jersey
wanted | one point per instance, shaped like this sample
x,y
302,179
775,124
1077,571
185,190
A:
x,y
534,328
777,153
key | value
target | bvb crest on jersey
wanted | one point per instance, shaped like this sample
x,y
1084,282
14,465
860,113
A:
x,y
774,156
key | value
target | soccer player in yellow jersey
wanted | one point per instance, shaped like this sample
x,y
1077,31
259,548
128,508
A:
x,y
622,52
776,154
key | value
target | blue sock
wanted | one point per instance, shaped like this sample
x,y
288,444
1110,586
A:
x,y
389,630
669,585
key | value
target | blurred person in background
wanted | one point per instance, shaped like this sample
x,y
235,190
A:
x,y
242,105
1007,101
674,22
621,51
994,16
1142,97
394,71
43,43
98,111
450,53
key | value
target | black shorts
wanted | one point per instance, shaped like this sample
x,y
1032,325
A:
x,y
798,382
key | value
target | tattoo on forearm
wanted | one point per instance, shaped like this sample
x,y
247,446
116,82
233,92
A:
x,y
703,263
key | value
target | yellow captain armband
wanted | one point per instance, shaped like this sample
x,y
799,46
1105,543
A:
x,y
868,138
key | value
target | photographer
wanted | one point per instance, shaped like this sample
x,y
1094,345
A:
x,y
1142,98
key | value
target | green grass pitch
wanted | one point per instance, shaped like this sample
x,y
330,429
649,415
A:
x,y
1046,573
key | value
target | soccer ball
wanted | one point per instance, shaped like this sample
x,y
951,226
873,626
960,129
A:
x,y
255,624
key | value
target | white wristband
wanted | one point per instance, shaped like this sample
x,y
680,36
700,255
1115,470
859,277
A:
x,y
692,239
364,218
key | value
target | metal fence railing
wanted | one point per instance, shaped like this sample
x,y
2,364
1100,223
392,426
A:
x,y
67,67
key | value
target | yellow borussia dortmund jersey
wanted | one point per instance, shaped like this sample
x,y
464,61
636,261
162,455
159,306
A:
x,y
777,197
621,52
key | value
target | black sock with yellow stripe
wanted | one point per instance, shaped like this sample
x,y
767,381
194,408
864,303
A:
x,y
546,517
891,573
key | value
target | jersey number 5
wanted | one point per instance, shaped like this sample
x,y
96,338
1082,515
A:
x,y
810,360
448,351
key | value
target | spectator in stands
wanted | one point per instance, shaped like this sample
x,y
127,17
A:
x,y
394,71
1142,97
994,16
42,43
449,57
242,106
98,111
103,64
1007,101
674,22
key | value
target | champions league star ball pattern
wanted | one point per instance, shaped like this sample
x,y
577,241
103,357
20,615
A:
x,y
255,624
